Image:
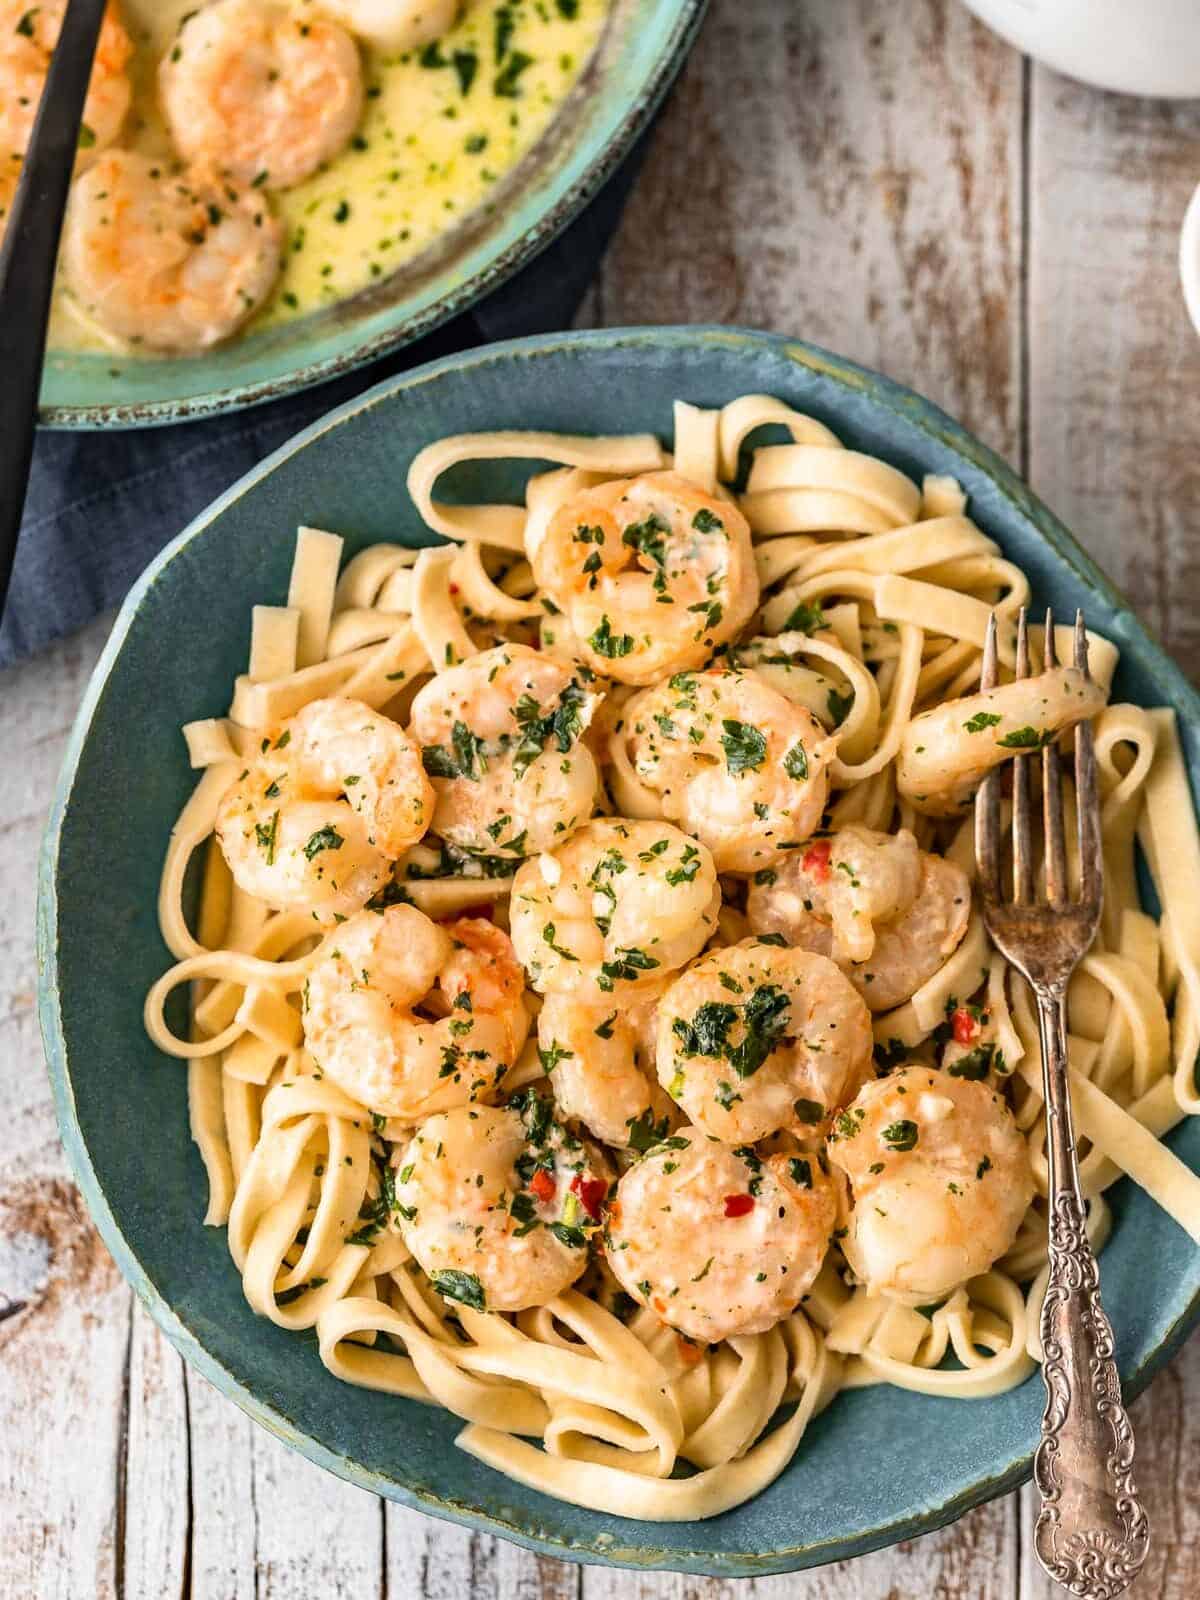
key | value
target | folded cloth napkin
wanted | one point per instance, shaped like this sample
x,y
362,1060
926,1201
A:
x,y
100,505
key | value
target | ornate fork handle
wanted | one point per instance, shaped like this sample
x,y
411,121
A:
x,y
1092,1535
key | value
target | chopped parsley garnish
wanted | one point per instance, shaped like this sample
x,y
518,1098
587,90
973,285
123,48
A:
x,y
975,1065
900,1135
649,539
840,706
327,838
981,720
629,962
266,835
805,618
708,1032
552,1055
745,746
607,643
1027,739
689,865
505,84
465,758
810,1111
464,1287
705,522
795,763
564,724
644,1132
568,1235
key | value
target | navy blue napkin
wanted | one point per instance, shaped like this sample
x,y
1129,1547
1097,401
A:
x,y
100,505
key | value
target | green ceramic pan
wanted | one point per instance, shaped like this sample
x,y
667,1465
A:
x,y
643,46
879,1464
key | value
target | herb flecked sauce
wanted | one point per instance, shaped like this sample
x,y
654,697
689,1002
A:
x,y
440,127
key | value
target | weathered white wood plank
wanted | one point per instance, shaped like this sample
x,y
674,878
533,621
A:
x,y
157,1512
224,1525
437,1561
976,1559
848,171
1114,363
64,1337
314,1534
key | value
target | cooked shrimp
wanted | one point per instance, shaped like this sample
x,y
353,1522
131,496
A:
x,y
261,92
497,1203
733,761
946,752
335,796
862,890
28,36
502,737
614,910
173,263
361,1022
601,1066
716,1240
651,572
757,1037
939,1179
397,25
10,172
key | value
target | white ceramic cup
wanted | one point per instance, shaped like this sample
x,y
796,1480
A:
x,y
1189,259
1149,47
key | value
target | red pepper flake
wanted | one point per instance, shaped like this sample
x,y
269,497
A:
x,y
543,1185
453,588
591,1192
738,1205
689,1353
966,1029
816,859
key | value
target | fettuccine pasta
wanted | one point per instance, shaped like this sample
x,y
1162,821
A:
x,y
592,1028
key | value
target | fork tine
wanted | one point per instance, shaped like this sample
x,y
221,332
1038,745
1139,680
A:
x,y
1057,888
1022,793
1087,799
987,800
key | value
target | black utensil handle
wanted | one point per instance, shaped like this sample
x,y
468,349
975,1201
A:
x,y
28,258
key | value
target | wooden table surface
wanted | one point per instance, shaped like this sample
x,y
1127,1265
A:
x,y
883,177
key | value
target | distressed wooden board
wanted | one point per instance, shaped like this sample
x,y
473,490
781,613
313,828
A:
x,y
1114,366
848,171
65,1333
852,171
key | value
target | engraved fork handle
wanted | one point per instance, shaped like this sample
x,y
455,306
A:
x,y
1092,1535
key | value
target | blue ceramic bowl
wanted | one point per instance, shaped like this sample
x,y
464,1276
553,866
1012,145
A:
x,y
879,1464
643,46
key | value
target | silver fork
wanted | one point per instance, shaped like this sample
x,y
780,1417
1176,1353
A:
x,y
1092,1534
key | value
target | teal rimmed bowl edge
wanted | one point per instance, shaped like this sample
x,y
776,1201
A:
x,y
1129,632
553,222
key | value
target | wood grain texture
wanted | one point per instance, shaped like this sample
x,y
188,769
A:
x,y
65,1333
1114,381
848,171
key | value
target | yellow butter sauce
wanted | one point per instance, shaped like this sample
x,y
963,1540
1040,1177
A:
x,y
441,127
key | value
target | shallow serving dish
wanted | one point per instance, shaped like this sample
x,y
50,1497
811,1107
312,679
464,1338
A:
x,y
880,1464
642,48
